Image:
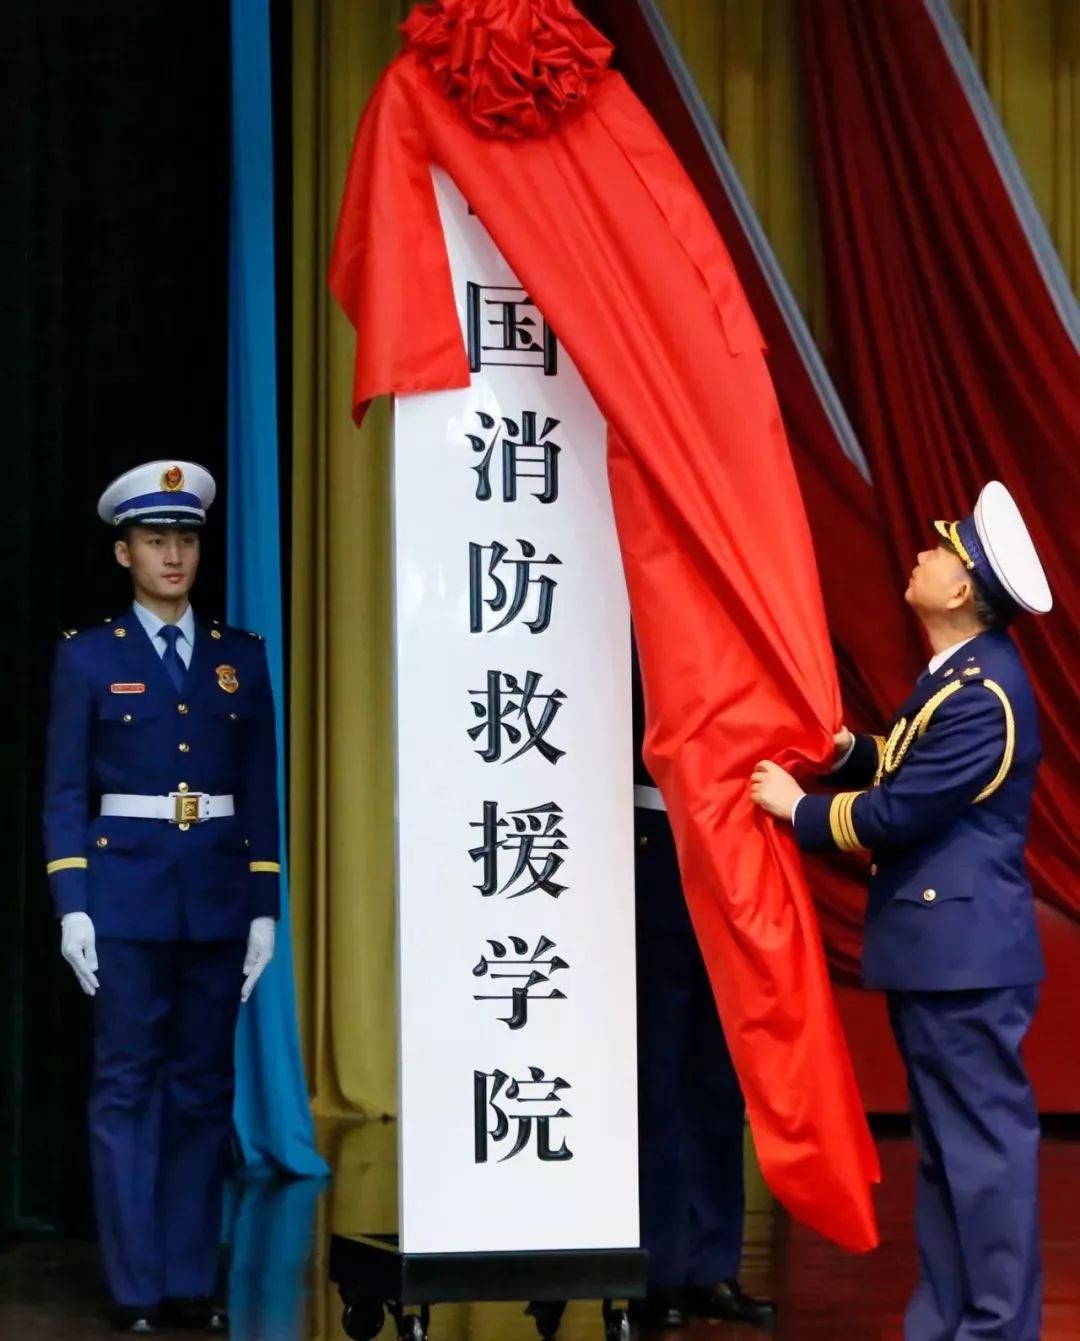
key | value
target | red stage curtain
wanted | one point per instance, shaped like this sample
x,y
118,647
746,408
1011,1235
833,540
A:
x,y
959,368
602,226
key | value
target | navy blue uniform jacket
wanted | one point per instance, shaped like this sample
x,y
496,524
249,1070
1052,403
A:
x,y
943,804
118,725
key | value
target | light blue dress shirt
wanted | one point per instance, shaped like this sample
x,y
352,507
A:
x,y
185,644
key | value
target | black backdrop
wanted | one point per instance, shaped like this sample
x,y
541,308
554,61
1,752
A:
x,y
113,268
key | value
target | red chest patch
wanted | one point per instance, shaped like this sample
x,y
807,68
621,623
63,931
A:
x,y
127,689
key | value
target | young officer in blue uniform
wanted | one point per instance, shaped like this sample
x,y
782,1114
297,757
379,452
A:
x,y
943,805
161,837
691,1109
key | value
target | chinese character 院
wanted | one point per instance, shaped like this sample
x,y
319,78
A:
x,y
535,839
506,700
498,1101
506,330
526,973
523,456
524,581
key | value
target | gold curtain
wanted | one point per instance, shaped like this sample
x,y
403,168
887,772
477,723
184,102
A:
x,y
341,756
744,56
1029,55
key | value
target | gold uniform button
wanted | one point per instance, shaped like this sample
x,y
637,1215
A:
x,y
183,827
119,633
182,709
929,895
181,786
233,717
183,747
127,717
103,842
214,633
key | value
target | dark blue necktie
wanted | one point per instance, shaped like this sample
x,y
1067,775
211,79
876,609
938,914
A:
x,y
176,668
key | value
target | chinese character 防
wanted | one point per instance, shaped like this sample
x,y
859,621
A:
x,y
524,456
506,700
498,1101
527,973
506,330
524,581
535,839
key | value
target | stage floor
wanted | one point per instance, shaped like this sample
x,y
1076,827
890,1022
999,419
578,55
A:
x,y
279,1290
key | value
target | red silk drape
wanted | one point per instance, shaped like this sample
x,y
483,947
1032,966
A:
x,y
603,228
875,637
959,368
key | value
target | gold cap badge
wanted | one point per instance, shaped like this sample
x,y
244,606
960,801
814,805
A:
x,y
172,480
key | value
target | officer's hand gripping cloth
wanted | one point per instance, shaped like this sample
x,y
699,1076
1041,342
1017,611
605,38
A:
x,y
590,207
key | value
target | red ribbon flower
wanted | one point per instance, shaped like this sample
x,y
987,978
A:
x,y
515,67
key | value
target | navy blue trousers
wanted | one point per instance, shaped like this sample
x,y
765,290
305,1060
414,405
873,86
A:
x,y
977,1133
690,1107
161,1112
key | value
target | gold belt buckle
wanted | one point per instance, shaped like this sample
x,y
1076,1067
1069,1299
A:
x,y
187,807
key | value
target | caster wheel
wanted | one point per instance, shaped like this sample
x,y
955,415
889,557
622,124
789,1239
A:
x,y
548,1315
616,1325
362,1319
410,1328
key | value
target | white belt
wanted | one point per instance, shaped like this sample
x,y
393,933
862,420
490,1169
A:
x,y
649,798
177,807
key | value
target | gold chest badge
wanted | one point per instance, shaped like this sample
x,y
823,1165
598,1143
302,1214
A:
x,y
226,678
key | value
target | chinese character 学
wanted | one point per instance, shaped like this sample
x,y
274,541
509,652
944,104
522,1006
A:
x,y
517,712
533,838
499,1102
523,456
486,574
505,330
526,972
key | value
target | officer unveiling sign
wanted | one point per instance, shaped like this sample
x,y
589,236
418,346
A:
x,y
517,1067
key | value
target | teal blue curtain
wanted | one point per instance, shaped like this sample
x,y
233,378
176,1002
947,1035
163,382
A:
x,y
272,1115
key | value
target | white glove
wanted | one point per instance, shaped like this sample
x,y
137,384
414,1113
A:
x,y
78,947
260,951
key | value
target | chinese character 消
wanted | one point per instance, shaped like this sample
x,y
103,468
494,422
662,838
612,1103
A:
x,y
535,839
498,1101
524,581
506,701
523,456
506,330
526,972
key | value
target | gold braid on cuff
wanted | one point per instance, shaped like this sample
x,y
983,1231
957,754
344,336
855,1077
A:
x,y
842,822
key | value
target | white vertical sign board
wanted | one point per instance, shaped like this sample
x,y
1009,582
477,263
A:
x,y
517,1062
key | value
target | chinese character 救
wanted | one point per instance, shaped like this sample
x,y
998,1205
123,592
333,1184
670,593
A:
x,y
526,972
507,708
499,1101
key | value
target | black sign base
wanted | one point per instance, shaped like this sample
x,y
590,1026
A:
x,y
374,1277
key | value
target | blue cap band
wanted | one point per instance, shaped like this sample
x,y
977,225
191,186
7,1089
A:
x,y
181,506
984,571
